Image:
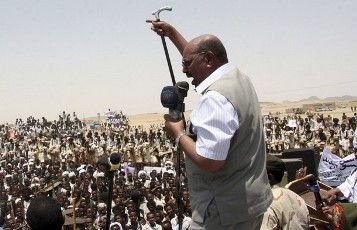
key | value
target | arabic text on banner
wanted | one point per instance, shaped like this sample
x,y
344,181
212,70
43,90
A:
x,y
334,170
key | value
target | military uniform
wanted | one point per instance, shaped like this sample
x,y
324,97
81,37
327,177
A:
x,y
287,211
344,216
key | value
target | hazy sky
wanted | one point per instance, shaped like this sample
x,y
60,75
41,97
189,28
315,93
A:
x,y
87,56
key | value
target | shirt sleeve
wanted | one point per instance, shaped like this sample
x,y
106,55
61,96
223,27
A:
x,y
270,221
215,121
349,186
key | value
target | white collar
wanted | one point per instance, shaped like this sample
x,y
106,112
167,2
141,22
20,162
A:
x,y
217,74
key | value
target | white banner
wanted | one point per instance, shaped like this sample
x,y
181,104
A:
x,y
110,114
292,123
334,170
148,169
113,121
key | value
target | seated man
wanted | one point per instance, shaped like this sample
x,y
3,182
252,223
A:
x,y
288,210
44,213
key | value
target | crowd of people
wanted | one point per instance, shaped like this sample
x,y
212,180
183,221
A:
x,y
59,158
312,130
225,180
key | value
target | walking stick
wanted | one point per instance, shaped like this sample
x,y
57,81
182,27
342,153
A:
x,y
157,16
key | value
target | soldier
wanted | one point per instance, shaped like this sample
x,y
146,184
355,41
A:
x,y
288,210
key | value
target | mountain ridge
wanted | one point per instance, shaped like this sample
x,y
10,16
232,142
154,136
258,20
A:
x,y
315,98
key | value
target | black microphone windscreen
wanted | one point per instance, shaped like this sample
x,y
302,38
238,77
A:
x,y
169,97
115,158
312,180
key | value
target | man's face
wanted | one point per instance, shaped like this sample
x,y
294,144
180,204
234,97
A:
x,y
118,218
102,211
170,212
102,221
151,218
193,64
159,217
89,212
133,216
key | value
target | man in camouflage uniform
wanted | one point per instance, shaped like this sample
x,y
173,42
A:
x,y
288,210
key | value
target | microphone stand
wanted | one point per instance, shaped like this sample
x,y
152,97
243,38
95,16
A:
x,y
110,175
178,185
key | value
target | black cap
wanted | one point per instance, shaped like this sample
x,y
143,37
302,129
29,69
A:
x,y
274,162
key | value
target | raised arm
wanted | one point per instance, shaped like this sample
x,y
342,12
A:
x,y
164,29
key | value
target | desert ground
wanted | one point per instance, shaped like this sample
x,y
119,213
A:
x,y
146,120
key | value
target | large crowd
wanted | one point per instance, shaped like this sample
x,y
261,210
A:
x,y
59,159
311,130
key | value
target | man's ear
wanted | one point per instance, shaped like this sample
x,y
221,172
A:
x,y
209,58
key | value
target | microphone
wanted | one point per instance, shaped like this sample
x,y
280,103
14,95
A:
x,y
172,97
111,163
314,187
114,161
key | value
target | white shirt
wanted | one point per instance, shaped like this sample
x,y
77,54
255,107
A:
x,y
349,187
186,222
214,119
148,227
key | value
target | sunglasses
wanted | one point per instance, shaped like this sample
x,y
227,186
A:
x,y
187,62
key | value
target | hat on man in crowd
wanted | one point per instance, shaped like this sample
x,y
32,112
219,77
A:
x,y
275,163
275,169
142,172
170,171
81,167
71,174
